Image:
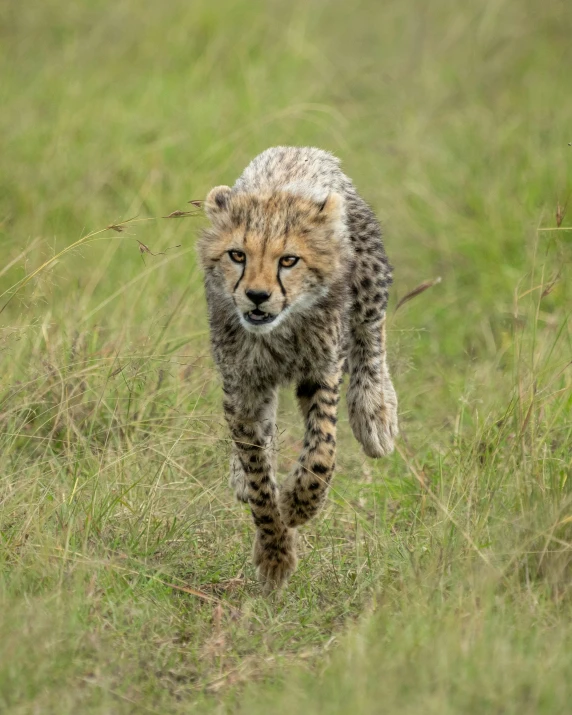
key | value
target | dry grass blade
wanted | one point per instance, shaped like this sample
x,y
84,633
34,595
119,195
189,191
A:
x,y
191,591
528,413
181,214
217,618
421,288
550,287
196,202
19,257
556,228
145,249
546,289
118,227
561,212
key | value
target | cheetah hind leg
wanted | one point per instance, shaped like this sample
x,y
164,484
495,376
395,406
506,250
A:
x,y
371,397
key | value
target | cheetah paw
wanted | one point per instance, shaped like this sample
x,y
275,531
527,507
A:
x,y
376,431
275,558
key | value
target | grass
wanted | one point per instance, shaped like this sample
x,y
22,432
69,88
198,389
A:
x,y
437,580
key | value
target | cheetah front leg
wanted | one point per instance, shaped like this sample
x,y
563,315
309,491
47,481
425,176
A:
x,y
238,481
304,491
237,478
372,402
252,421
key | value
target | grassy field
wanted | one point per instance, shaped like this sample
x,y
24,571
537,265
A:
x,y
436,581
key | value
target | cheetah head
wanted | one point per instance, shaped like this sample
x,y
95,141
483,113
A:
x,y
274,255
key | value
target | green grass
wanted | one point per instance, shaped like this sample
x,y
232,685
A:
x,y
437,580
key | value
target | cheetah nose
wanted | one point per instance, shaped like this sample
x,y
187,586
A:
x,y
257,296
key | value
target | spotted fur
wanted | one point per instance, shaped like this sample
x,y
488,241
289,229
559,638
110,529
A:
x,y
296,280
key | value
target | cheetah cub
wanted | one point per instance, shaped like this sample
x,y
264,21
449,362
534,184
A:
x,y
296,281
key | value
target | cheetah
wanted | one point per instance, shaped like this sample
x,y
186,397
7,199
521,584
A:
x,y
296,280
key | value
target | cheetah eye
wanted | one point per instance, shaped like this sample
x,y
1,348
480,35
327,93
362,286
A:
x,y
288,261
237,256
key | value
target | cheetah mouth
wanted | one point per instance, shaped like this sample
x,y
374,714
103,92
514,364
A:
x,y
258,317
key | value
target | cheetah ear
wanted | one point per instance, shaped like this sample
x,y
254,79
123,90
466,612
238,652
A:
x,y
331,207
216,202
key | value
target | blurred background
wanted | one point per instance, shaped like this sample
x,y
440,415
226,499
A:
x,y
454,124
454,120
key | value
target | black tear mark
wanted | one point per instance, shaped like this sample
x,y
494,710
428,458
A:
x,y
283,291
241,277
